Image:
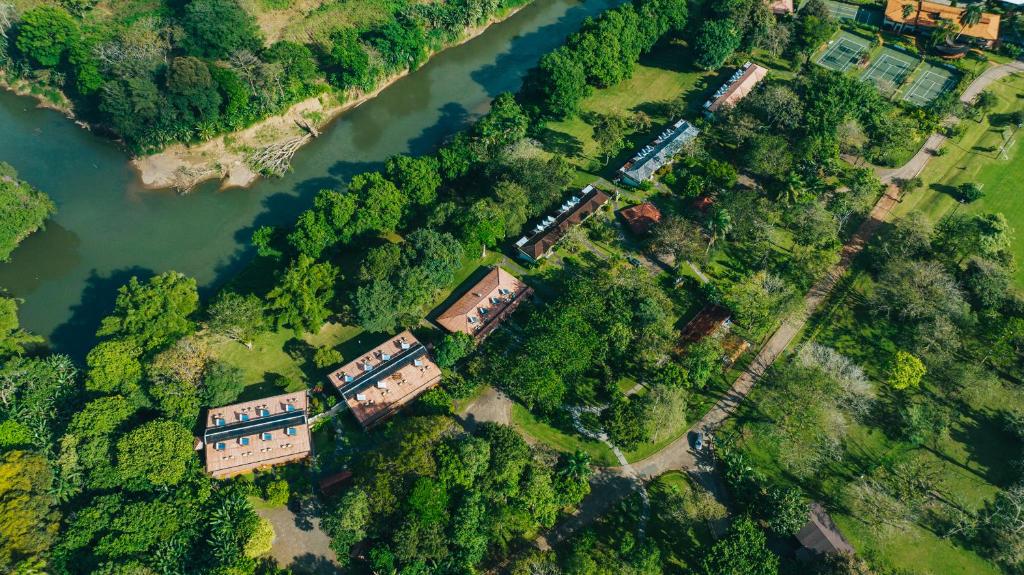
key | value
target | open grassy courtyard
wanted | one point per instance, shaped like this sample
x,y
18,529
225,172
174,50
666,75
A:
x,y
988,153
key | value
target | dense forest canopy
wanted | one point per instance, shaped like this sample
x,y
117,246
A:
x,y
187,71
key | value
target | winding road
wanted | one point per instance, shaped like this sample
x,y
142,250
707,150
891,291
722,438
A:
x,y
609,485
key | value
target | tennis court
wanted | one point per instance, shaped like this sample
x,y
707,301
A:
x,y
890,69
853,13
844,52
932,83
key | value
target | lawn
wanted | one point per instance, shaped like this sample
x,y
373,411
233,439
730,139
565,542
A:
x,y
661,76
280,361
978,156
539,431
973,459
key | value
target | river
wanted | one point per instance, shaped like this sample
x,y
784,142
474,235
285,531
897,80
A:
x,y
108,227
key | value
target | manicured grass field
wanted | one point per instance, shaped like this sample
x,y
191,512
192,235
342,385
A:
x,y
661,76
558,440
979,156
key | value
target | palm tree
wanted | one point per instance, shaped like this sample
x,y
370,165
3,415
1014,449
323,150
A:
x,y
576,466
794,190
719,226
908,9
969,17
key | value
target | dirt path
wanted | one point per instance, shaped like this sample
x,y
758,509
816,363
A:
x,y
299,543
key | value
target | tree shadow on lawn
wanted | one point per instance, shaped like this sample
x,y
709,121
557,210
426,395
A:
x,y
559,142
989,446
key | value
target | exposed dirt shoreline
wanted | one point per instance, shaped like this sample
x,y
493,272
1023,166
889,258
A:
x,y
183,166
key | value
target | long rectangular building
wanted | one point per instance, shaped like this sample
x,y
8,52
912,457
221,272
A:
x,y
255,434
552,228
659,153
741,83
485,305
926,16
383,380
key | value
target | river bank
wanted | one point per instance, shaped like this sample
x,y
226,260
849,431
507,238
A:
x,y
183,166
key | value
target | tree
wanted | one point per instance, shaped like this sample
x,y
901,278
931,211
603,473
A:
x,y
503,125
970,16
23,210
969,192
784,509
325,224
559,83
237,317
453,348
154,454
348,61
719,224
262,240
381,203
45,34
325,357
346,524
417,176
905,371
218,29
572,477
743,552
114,367
28,518
301,296
758,299
36,393
13,339
624,421
702,360
918,292
715,42
1002,532
222,384
261,540
175,375
154,313
987,282
610,134
192,90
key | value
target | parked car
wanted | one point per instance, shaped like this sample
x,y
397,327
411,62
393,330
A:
x,y
698,444
633,261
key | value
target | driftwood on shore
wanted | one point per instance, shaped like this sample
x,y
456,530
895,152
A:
x,y
276,159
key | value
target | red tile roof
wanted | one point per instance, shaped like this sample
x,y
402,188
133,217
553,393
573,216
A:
x,y
539,244
485,305
641,217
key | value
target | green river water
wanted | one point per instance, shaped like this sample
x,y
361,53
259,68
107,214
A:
x,y
108,227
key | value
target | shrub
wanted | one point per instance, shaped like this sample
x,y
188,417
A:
x,y
325,357
276,492
261,540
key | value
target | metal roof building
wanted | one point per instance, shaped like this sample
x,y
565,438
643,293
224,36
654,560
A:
x,y
658,153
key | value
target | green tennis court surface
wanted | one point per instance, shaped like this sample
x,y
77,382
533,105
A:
x,y
841,11
890,69
932,83
844,52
